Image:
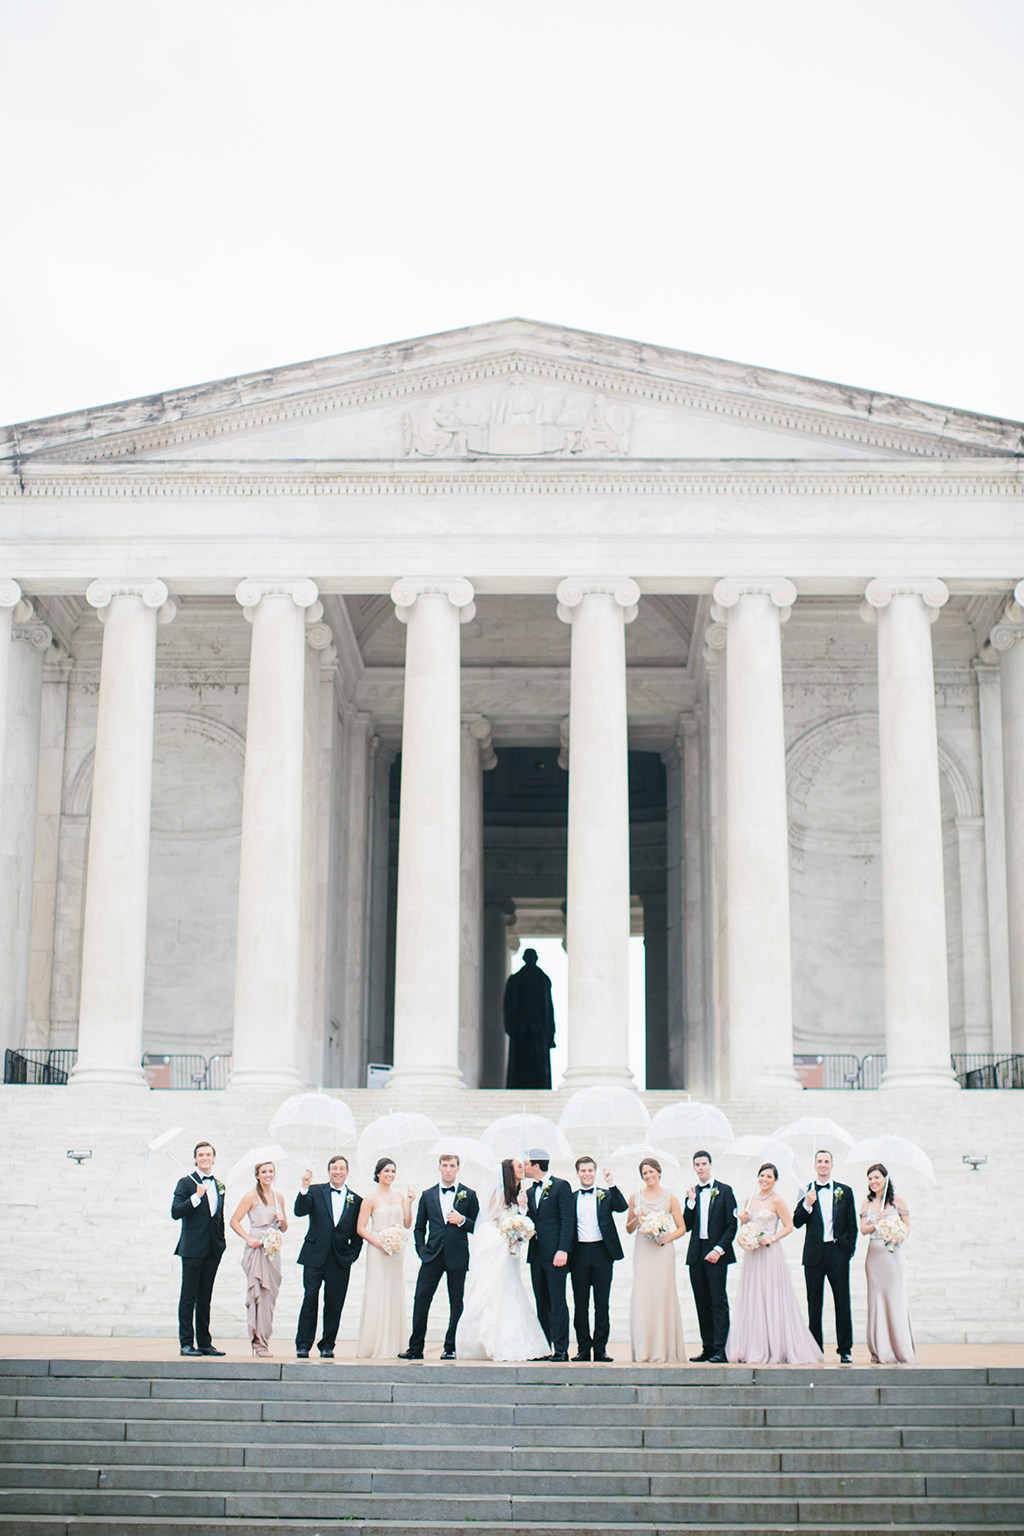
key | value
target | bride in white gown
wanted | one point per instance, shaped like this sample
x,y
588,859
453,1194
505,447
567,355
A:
x,y
498,1319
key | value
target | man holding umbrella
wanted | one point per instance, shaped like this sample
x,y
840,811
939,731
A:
x,y
710,1218
198,1204
829,1215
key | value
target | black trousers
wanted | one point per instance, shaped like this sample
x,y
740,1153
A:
x,y
334,1279
834,1266
197,1277
591,1271
427,1282
552,1310
707,1281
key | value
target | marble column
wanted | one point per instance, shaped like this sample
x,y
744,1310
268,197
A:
x,y
478,755
713,1061
913,900
992,799
268,957
427,948
760,1009
52,731
12,607
1008,640
117,876
597,881
499,912
18,824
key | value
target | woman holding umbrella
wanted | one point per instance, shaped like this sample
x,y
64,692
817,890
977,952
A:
x,y
260,1257
890,1337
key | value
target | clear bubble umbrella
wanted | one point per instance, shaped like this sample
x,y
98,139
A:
x,y
625,1165
515,1135
477,1163
403,1135
815,1133
689,1127
908,1165
738,1165
289,1167
597,1118
315,1120
168,1159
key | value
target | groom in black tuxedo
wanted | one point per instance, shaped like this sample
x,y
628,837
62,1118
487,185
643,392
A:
x,y
331,1248
829,1215
552,1210
198,1203
595,1249
709,1216
445,1217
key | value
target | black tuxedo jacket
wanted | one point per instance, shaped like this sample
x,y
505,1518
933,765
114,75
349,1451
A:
x,y
554,1217
844,1225
434,1237
322,1236
608,1201
202,1235
721,1225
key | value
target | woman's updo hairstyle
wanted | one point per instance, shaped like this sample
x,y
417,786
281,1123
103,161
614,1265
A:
x,y
382,1163
768,1168
650,1162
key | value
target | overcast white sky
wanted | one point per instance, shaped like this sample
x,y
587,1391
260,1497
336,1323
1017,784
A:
x,y
209,187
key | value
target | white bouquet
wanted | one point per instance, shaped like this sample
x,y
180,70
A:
x,y
749,1236
393,1239
654,1224
892,1229
515,1228
273,1241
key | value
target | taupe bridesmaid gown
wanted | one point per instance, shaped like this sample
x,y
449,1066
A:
x,y
655,1322
382,1327
264,1276
890,1338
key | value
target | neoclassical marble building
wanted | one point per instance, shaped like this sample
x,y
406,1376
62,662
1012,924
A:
x,y
323,683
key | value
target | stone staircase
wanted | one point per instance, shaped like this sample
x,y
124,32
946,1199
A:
x,y
199,1447
93,1258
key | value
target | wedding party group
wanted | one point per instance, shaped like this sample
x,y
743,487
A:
x,y
475,1244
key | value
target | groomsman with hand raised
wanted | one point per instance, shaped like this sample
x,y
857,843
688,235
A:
x,y
445,1218
829,1215
198,1203
331,1248
596,1249
710,1218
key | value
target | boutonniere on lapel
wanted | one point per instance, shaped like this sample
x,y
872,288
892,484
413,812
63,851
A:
x,y
220,1186
460,1196
838,1195
600,1195
715,1192
349,1200
543,1192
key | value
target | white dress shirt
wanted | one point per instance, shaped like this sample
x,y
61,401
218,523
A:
x,y
825,1198
703,1210
588,1228
209,1189
338,1202
446,1194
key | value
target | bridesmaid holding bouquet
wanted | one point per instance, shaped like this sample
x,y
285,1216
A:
x,y
261,1255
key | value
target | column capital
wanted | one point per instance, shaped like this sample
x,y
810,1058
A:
x,y
730,589
456,589
100,594
480,730
880,593
574,589
10,592
1010,627
31,629
253,589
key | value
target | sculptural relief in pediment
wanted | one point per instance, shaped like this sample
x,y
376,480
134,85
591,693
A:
x,y
520,421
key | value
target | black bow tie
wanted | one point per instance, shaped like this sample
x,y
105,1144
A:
x,y
823,1186
206,1178
702,1189
336,1191
588,1191
447,1189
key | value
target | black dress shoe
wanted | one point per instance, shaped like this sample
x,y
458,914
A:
x,y
561,1356
209,1350
581,1359
448,1354
410,1354
190,1349
603,1360
717,1360
327,1354
701,1358
302,1354
846,1359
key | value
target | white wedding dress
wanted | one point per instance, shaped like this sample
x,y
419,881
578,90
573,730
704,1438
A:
x,y
498,1319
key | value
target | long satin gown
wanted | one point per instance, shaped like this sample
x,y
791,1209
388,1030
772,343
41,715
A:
x,y
264,1276
890,1338
382,1327
768,1327
655,1321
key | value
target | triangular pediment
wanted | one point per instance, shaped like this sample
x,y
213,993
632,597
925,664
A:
x,y
514,390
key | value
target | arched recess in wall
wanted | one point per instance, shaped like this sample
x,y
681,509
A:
x,y
832,775
195,839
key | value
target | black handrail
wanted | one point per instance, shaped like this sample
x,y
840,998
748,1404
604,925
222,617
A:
x,y
171,1071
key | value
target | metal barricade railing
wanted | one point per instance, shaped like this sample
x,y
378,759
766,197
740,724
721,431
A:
x,y
218,1071
976,1069
31,1065
828,1070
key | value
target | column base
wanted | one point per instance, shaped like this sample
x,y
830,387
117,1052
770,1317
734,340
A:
x,y
110,1075
597,1077
433,1078
285,1078
919,1077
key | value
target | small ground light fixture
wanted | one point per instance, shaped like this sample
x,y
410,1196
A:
x,y
975,1162
80,1157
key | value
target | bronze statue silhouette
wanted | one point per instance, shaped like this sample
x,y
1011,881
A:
x,y
529,1024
